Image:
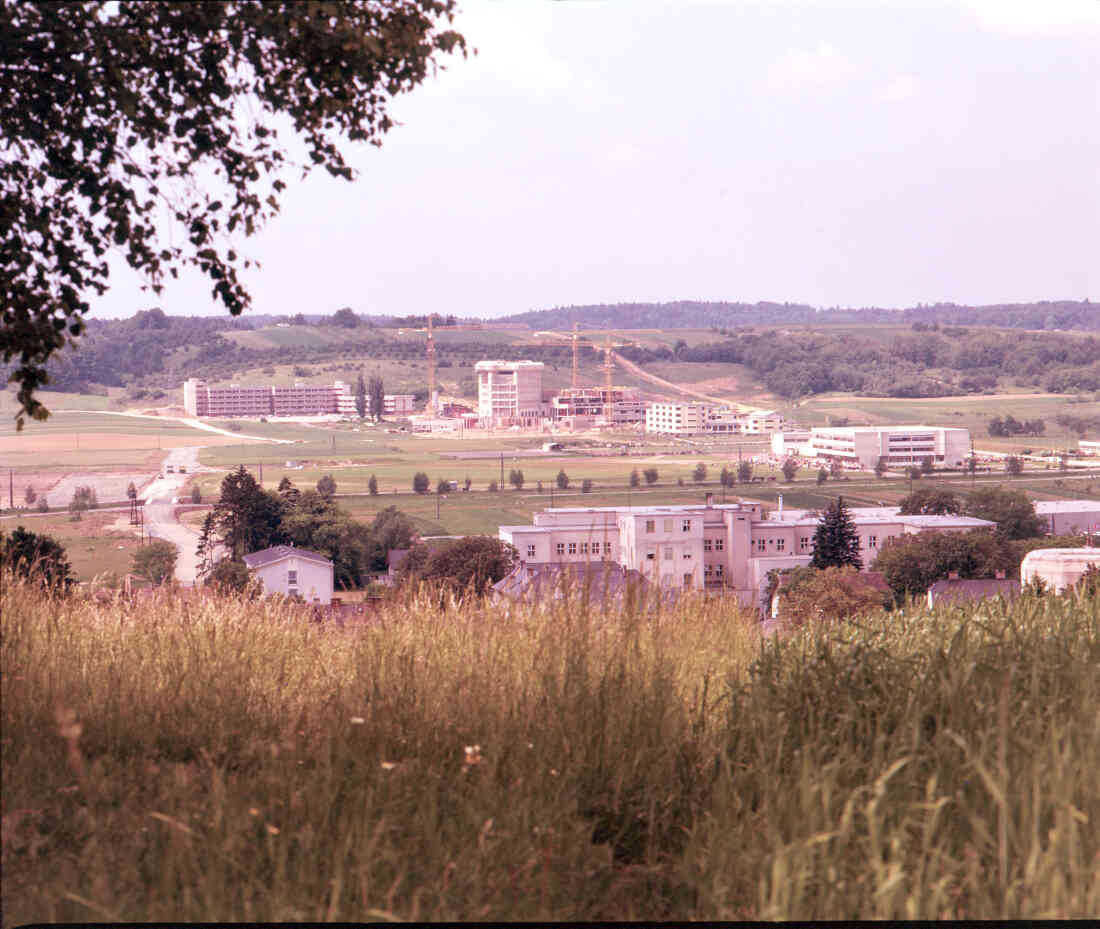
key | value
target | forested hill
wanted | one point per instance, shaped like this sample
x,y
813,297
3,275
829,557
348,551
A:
x,y
692,314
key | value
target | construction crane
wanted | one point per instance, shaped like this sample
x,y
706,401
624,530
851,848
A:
x,y
574,355
430,407
608,368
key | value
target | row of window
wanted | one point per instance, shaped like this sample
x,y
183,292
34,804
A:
x,y
571,547
651,525
805,543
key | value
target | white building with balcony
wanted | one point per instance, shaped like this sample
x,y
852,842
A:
x,y
900,446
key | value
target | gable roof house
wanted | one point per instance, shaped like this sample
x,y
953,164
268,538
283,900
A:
x,y
955,591
294,572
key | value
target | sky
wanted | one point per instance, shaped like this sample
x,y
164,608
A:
x,y
872,153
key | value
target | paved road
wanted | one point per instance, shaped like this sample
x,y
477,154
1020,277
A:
x,y
159,511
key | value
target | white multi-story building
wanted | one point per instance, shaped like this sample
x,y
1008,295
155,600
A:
x,y
720,547
677,418
900,446
509,393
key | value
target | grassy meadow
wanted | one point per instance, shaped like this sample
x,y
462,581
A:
x,y
214,760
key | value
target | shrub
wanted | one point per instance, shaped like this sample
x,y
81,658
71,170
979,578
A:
x,y
421,482
39,558
650,475
562,480
700,473
156,560
586,486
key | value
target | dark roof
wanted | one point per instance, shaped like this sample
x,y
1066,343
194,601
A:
x,y
279,552
964,591
595,579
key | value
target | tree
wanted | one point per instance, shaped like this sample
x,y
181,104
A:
x,y
806,594
156,560
822,476
586,486
208,542
229,576
836,541
361,396
1011,510
248,518
326,486
288,491
515,478
39,558
744,471
492,488
116,115
372,486
650,475
880,467
926,466
346,318
29,496
912,563
421,483
562,480
790,469
635,480
196,494
471,564
929,501
442,486
131,491
1013,465
836,469
726,478
376,390
700,473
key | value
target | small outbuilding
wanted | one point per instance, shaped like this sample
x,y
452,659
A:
x,y
295,572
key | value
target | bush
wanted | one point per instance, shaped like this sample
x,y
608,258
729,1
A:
x,y
326,486
229,576
700,473
196,494
563,480
39,558
635,480
515,478
372,486
493,487
650,475
156,560
586,486
421,482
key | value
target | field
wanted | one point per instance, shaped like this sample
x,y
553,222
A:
x,y
100,541
217,760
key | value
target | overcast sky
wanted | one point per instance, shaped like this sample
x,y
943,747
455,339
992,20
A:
x,y
595,151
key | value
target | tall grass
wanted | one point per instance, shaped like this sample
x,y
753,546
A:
x,y
227,760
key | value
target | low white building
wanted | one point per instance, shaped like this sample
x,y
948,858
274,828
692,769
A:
x,y
1069,517
293,571
900,446
1058,568
716,547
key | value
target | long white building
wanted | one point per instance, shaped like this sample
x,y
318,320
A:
x,y
721,547
509,393
697,418
901,446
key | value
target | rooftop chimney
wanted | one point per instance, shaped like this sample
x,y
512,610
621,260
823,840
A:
x,y
709,499
952,575
1000,575
779,515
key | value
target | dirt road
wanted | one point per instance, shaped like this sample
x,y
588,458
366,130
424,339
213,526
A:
x,y
668,385
160,520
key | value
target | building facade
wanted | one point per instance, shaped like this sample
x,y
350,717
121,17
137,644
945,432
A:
x,y
509,393
706,418
712,547
336,399
294,572
900,446
584,406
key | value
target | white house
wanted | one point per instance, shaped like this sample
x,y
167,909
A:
x,y
293,571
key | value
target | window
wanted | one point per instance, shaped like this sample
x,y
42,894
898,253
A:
x,y
668,553
804,543
761,545
607,548
780,544
708,571
291,578
651,555
651,525
572,548
687,556
719,544
530,551
718,572
872,541
668,525
687,579
584,548
707,545
561,548
686,525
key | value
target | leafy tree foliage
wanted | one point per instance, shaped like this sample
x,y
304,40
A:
x,y
635,480
287,490
515,478
207,544
472,564
836,541
247,517
361,396
822,476
29,495
229,576
912,563
930,501
1011,510
390,529
326,486
586,486
807,594
880,466
790,469
650,475
196,494
38,557
562,480
926,466
1013,465
700,473
372,486
1010,426
156,560
131,491
109,112
744,471
376,390
346,318
421,482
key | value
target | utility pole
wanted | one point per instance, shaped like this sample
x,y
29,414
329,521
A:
x,y
574,355
261,474
11,490
501,485
437,496
430,349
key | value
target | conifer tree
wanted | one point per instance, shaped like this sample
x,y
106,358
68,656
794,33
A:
x,y
836,541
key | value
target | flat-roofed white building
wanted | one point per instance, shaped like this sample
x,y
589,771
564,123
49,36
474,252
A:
x,y
792,442
901,446
677,418
509,393
712,547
